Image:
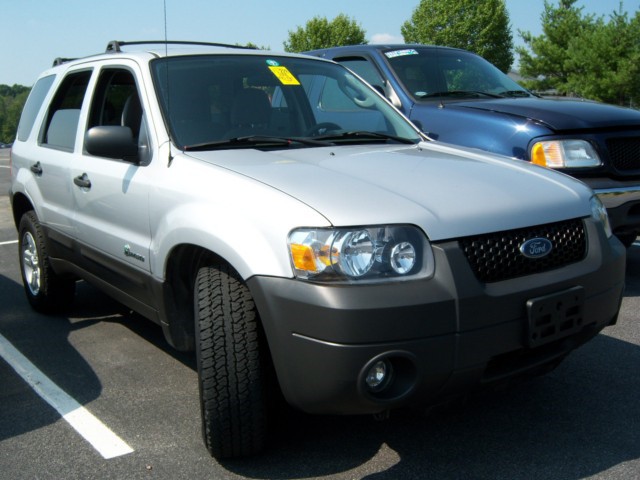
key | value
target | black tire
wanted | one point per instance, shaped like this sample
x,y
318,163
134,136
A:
x,y
231,364
46,291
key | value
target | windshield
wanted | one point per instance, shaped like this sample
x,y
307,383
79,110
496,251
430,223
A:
x,y
429,73
244,101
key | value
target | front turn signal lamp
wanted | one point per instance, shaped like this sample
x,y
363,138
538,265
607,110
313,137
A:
x,y
360,253
565,154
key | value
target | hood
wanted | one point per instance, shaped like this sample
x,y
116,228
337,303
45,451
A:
x,y
559,115
447,191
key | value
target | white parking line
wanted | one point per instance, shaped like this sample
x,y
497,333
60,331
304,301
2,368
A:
x,y
10,242
107,443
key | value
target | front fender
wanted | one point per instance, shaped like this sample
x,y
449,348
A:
x,y
248,231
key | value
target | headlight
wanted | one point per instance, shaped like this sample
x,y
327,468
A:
x,y
599,213
360,253
565,154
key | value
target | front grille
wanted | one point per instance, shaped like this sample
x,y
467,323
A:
x,y
624,153
496,256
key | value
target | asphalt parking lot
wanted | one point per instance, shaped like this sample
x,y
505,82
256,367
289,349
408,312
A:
x,y
111,366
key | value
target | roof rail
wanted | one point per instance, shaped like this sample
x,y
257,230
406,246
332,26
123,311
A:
x,y
114,45
60,61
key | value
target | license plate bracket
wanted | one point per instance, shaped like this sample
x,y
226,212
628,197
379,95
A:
x,y
555,316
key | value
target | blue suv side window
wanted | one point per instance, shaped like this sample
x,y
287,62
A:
x,y
365,69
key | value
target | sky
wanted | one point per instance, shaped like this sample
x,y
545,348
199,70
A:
x,y
35,32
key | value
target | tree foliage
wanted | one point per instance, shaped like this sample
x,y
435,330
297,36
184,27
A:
x,y
584,55
322,33
12,100
481,26
545,57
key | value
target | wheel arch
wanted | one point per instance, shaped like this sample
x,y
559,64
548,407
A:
x,y
20,205
181,268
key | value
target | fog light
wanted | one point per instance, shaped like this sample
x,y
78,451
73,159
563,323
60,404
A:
x,y
378,375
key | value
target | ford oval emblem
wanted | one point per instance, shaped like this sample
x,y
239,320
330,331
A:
x,y
536,248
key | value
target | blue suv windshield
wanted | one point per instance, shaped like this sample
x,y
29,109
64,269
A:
x,y
429,73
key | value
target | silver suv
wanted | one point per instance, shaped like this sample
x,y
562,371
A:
x,y
277,216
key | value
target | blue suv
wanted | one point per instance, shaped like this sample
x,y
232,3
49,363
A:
x,y
460,98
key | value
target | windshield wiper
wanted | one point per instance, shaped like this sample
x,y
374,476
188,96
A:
x,y
515,93
365,135
459,93
256,141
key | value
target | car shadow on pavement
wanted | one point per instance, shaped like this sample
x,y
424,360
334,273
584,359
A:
x,y
48,342
580,420
43,340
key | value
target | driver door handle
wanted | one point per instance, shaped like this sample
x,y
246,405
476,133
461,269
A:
x,y
82,181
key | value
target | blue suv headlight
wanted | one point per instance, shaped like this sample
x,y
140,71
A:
x,y
565,154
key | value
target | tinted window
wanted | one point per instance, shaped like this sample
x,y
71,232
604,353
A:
x,y
208,99
334,99
32,106
364,68
64,111
428,72
116,101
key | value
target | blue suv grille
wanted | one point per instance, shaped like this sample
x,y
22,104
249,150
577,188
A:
x,y
496,256
624,153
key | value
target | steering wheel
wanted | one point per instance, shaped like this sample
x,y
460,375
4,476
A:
x,y
321,128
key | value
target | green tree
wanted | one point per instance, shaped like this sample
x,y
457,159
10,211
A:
x,y
253,45
584,55
545,57
12,100
3,117
481,26
607,66
12,117
322,33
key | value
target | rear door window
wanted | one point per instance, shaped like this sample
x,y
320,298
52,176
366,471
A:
x,y
61,126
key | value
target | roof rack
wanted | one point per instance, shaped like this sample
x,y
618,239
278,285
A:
x,y
60,61
114,45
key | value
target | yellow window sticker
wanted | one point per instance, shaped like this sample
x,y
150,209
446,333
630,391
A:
x,y
284,75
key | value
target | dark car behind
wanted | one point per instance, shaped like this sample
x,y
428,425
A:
x,y
458,97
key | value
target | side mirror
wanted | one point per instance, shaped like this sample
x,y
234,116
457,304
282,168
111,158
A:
x,y
111,142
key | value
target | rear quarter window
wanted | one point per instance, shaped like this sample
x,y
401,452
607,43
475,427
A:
x,y
33,105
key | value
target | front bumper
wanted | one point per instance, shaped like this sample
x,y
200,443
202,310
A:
x,y
443,336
